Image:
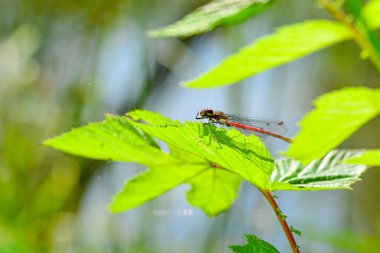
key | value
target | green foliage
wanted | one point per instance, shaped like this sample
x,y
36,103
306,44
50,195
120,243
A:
x,y
280,213
328,173
337,115
287,44
41,194
369,157
212,160
155,182
113,139
371,13
254,245
240,154
296,231
214,190
212,15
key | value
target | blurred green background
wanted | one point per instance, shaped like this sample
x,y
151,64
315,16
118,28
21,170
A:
x,y
66,63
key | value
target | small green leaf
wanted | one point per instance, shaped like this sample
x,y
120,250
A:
x,y
113,139
214,190
296,231
371,13
279,212
243,155
337,115
329,173
210,16
369,158
254,245
287,44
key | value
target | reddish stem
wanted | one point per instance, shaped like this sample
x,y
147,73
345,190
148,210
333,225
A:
x,y
277,211
282,220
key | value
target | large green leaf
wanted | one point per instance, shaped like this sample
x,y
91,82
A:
x,y
214,190
337,115
117,138
254,245
243,155
330,173
113,139
368,157
287,44
211,15
371,13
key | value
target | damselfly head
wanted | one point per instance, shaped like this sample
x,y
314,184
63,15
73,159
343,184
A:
x,y
206,113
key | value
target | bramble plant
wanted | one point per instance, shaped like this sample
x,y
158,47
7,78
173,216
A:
x,y
215,161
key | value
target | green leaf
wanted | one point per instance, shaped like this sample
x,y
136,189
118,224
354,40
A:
x,y
295,231
113,139
210,16
329,173
214,190
117,138
370,158
243,155
155,182
287,44
281,214
153,118
371,13
337,115
254,245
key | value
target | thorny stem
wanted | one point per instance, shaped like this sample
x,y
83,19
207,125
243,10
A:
x,y
361,39
281,218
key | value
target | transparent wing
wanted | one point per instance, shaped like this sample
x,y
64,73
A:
x,y
270,125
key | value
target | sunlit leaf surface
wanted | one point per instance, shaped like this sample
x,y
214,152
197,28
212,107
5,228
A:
x,y
287,44
254,245
369,157
155,182
337,115
212,160
371,13
113,139
211,15
329,173
214,190
243,155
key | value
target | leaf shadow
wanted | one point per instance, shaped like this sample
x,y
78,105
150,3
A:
x,y
220,136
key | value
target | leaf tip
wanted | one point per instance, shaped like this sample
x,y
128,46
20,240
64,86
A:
x,y
114,208
152,33
188,84
49,142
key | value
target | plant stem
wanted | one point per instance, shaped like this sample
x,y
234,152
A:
x,y
282,220
361,39
280,216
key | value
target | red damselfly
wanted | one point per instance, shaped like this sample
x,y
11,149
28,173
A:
x,y
259,127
